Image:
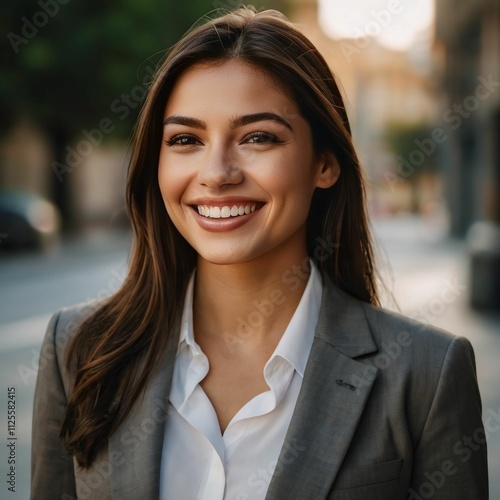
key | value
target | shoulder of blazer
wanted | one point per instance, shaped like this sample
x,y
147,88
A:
x,y
65,325
346,320
70,318
418,345
386,324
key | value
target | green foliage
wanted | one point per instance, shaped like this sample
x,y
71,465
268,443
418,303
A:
x,y
403,138
65,62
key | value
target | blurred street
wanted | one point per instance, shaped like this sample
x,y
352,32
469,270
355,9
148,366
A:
x,y
33,286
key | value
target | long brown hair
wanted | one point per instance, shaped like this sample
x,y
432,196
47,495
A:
x,y
116,349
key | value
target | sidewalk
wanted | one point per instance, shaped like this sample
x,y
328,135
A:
x,y
430,283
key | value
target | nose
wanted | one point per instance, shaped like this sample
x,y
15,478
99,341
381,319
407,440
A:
x,y
219,168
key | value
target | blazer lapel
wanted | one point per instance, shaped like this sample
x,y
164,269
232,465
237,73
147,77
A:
x,y
136,446
331,401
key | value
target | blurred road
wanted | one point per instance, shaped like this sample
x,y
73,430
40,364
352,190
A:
x,y
426,267
32,288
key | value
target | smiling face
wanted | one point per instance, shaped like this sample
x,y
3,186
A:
x,y
237,167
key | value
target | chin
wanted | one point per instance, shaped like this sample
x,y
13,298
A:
x,y
226,256
222,260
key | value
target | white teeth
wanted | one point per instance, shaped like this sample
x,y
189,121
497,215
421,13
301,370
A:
x,y
226,211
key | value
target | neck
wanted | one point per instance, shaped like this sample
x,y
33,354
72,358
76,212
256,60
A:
x,y
247,305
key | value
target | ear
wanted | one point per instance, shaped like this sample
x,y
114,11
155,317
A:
x,y
329,170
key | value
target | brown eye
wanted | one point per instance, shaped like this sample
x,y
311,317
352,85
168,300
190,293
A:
x,y
182,140
261,138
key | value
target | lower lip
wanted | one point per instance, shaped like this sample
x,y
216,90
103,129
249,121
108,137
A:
x,y
223,224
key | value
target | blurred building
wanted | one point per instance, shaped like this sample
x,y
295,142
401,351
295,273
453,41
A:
x,y
95,186
468,48
381,87
25,157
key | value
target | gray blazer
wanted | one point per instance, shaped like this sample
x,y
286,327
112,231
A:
x,y
389,409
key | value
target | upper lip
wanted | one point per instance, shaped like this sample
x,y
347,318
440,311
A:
x,y
225,201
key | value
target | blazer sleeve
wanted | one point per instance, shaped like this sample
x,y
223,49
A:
x,y
52,470
450,458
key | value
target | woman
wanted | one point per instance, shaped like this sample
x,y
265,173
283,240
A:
x,y
246,357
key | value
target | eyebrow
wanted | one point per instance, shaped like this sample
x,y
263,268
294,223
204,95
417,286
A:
x,y
259,117
235,123
185,120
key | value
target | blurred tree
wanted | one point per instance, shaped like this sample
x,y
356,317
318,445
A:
x,y
80,68
413,146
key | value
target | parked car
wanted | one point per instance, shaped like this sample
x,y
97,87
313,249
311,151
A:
x,y
27,221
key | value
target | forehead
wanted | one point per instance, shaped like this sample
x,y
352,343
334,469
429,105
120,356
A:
x,y
232,82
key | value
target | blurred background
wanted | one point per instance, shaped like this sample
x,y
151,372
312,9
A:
x,y
421,81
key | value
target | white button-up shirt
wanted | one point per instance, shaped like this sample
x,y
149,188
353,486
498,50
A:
x,y
200,463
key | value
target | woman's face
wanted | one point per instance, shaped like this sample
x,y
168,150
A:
x,y
237,168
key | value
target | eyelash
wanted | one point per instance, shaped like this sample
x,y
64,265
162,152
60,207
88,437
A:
x,y
174,141
272,138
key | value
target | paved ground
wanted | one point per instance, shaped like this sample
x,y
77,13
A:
x,y
33,286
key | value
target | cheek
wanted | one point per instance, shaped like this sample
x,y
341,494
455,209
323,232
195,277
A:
x,y
170,182
294,174
164,184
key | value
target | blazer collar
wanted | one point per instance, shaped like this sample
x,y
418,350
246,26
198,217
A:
x,y
331,401
342,323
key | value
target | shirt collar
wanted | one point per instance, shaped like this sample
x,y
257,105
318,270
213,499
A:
x,y
296,342
186,337
291,353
